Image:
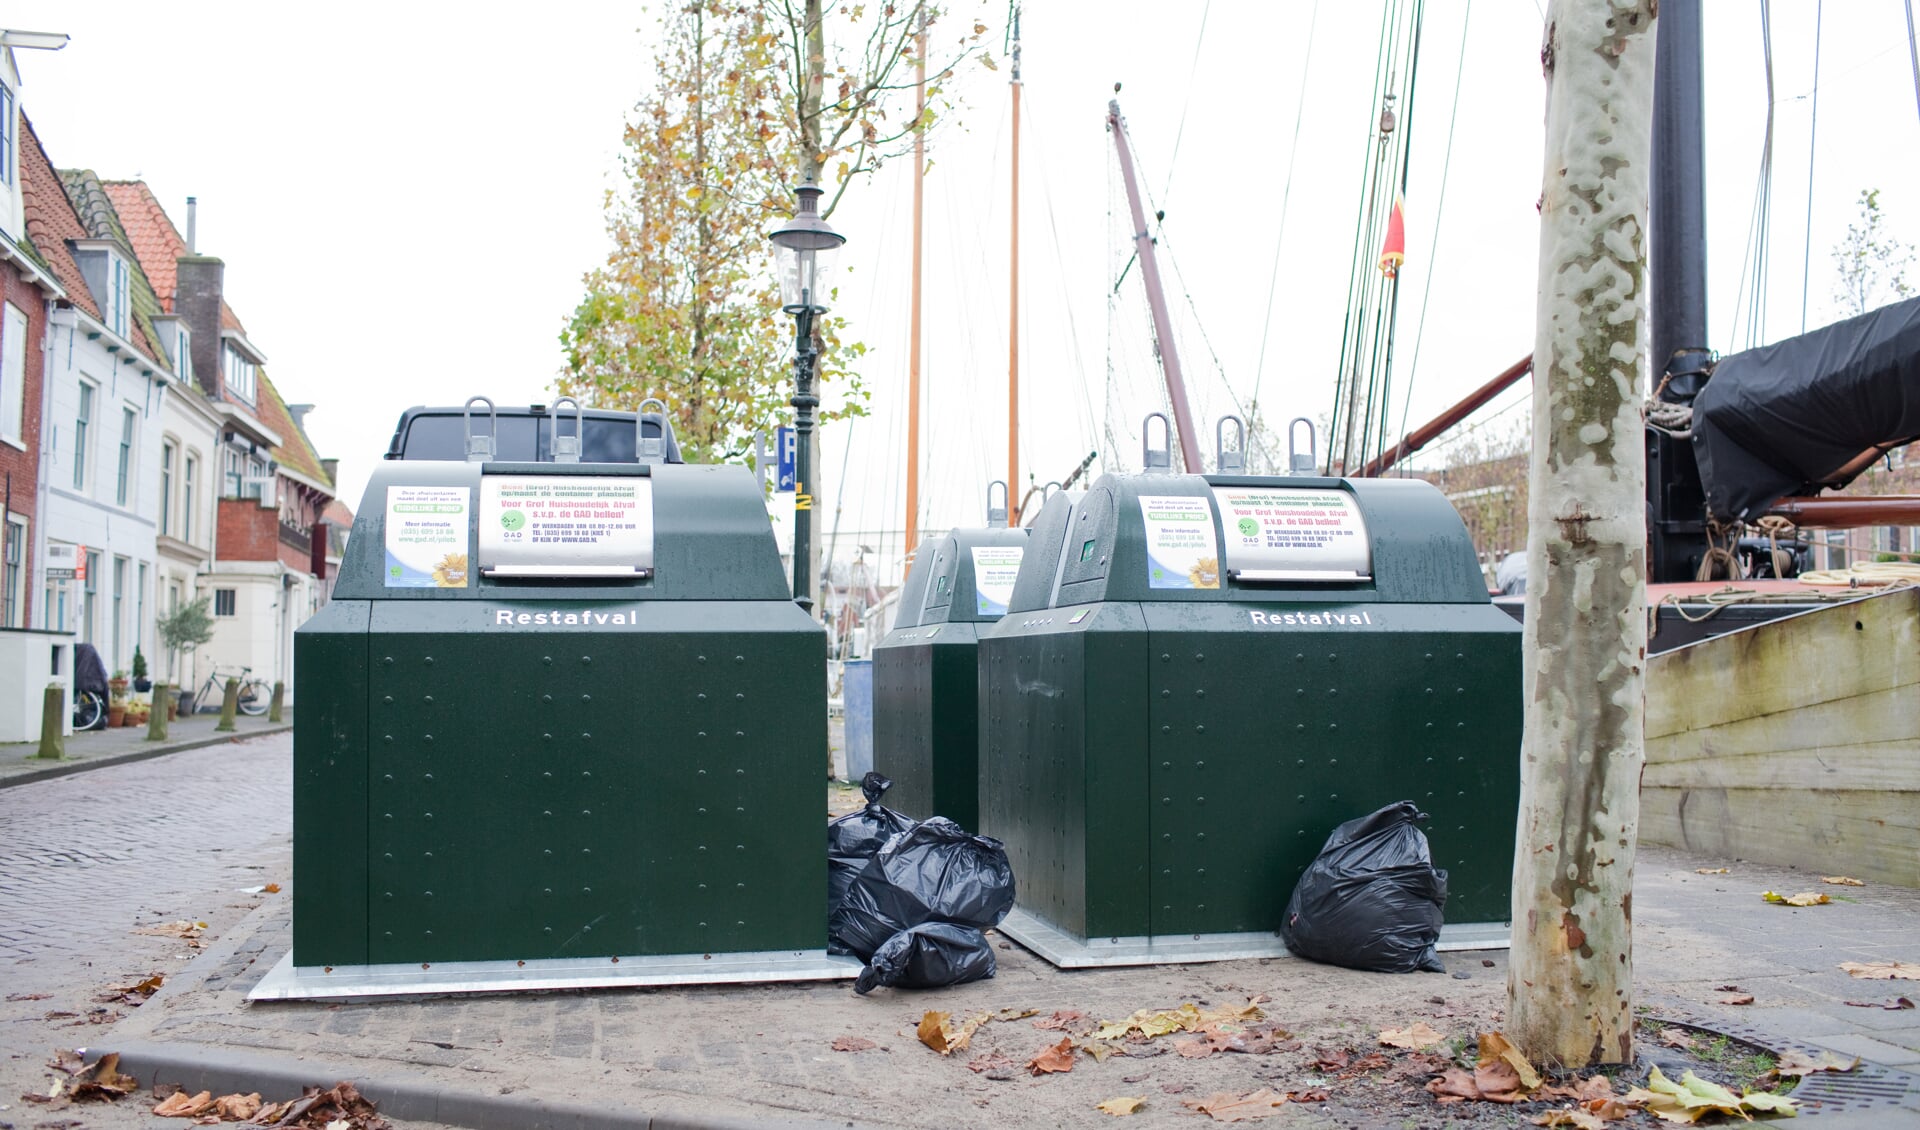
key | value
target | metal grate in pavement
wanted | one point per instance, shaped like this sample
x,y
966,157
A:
x,y
1868,1087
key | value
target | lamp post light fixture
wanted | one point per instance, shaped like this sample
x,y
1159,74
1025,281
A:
x,y
803,251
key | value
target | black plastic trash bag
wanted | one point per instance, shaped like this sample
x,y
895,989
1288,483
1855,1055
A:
x,y
936,871
928,956
1371,899
854,838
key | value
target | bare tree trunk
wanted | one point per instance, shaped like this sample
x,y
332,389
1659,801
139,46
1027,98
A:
x,y
1570,987
812,86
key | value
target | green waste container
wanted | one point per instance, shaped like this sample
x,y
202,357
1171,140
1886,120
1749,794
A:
x,y
561,724
926,733
1200,676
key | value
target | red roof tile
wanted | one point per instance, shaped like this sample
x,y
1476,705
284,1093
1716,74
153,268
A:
x,y
157,243
294,451
51,220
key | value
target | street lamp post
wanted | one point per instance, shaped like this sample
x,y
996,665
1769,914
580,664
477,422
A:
x,y
803,249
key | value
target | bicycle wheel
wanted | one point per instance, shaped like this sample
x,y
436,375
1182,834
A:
x,y
88,709
254,698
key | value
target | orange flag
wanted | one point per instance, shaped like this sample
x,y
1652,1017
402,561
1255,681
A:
x,y
1394,251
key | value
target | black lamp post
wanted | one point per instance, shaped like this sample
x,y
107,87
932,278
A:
x,y
803,249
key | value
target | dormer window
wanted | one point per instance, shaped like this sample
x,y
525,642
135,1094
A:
x,y
9,166
110,277
177,342
241,374
117,289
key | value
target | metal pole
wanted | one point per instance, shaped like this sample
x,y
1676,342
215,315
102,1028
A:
x,y
804,402
1156,298
913,347
1013,301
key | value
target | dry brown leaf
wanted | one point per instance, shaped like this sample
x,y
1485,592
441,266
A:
x,y
183,1105
271,888
1414,1036
1841,881
1498,1081
1893,1004
1120,1106
1676,1038
1583,1091
1311,1095
1227,1106
1053,1059
1101,1049
1578,1118
1495,1046
853,1044
938,1031
1804,898
1455,1085
1710,870
1794,1063
237,1108
1734,998
1060,1020
1883,970
989,1061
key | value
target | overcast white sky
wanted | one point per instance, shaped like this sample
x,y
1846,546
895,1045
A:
x,y
406,196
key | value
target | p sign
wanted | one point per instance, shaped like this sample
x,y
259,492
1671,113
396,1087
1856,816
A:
x,y
784,439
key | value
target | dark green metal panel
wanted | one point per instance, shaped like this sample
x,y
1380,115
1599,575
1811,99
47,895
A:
x,y
329,776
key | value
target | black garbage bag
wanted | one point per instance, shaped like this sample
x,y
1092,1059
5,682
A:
x,y
854,838
935,871
928,956
1371,899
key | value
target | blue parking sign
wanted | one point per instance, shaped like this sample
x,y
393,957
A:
x,y
785,445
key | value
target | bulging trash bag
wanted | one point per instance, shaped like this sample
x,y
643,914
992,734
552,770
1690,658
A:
x,y
928,956
854,838
935,871
1371,899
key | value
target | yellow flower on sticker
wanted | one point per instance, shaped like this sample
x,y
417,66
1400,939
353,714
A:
x,y
1205,573
451,572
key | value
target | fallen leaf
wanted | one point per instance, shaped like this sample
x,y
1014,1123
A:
x,y
1883,970
1495,1046
1312,1095
938,1032
1101,1049
1804,898
853,1044
1120,1106
272,888
1841,881
1054,1058
237,1108
1229,1107
1693,1098
1893,1004
1794,1063
989,1061
1060,1020
1579,1118
1373,1061
1676,1038
1734,998
183,1105
1187,1018
1498,1081
1415,1036
1584,1091
29,996
1710,870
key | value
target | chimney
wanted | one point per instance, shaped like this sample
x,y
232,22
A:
x,y
201,278
332,468
193,226
299,414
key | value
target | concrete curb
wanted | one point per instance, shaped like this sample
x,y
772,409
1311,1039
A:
x,y
401,1095
81,765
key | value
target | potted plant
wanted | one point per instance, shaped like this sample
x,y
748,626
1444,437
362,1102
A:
x,y
117,699
141,683
185,628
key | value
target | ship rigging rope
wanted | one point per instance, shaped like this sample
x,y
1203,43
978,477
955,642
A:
x,y
1760,229
1286,194
1181,130
1813,137
1913,55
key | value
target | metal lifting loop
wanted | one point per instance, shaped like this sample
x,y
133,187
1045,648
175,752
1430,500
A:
x,y
1297,463
997,515
1046,492
566,449
1234,461
1151,458
480,449
650,450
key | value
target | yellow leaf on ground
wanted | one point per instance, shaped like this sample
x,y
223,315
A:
x,y
1053,1059
1495,1046
1693,1098
1841,881
1883,970
1120,1106
1416,1035
1794,1063
1710,870
1579,1118
1804,898
938,1031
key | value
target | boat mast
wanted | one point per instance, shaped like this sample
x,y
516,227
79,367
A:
x,y
1013,300
913,346
1156,298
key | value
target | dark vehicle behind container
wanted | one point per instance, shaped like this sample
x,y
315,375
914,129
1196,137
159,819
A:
x,y
524,435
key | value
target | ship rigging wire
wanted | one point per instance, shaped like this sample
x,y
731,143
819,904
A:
x,y
1255,421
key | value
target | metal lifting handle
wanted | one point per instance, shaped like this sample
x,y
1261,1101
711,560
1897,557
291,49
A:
x,y
1046,492
480,449
566,449
1230,462
1161,458
997,515
1298,464
650,450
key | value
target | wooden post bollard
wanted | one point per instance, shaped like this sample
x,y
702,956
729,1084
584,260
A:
x,y
53,724
157,715
229,706
279,696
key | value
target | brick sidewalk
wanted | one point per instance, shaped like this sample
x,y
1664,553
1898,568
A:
x,y
95,749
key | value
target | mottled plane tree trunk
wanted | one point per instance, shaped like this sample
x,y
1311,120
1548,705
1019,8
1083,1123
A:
x,y
1570,987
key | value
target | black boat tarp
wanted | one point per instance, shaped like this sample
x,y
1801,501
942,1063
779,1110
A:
x,y
1784,419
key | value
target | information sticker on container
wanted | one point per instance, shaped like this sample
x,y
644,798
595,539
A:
x,y
994,570
1293,534
1180,550
566,525
427,537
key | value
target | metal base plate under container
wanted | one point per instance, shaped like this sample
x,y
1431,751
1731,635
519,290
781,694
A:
x,y
1064,951
287,982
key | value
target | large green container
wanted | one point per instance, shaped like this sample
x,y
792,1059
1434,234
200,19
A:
x,y
926,733
1200,676
554,715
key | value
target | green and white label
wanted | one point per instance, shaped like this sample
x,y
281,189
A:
x,y
426,537
1180,548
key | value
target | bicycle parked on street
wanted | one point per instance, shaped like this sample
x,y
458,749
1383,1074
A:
x,y
255,694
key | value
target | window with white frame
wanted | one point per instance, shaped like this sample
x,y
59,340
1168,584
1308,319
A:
x,y
119,609
8,165
117,294
12,575
241,375
129,423
189,501
224,603
182,353
13,374
168,455
82,421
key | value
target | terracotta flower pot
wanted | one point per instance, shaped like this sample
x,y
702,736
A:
x,y
116,716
